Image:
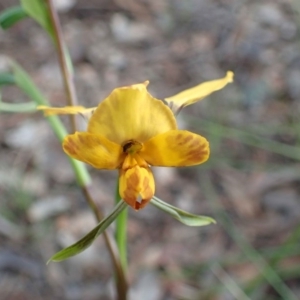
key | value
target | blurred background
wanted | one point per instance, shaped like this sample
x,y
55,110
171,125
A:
x,y
250,184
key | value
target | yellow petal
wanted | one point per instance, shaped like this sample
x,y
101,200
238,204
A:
x,y
176,148
67,110
93,149
136,184
198,92
131,113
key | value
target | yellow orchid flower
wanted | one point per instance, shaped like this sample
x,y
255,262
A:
x,y
197,93
130,131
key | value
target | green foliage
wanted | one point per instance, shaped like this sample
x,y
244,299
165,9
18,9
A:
x,y
7,78
38,10
17,107
11,16
26,84
181,215
87,240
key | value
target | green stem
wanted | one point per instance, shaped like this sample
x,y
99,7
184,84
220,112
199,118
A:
x,y
25,83
121,231
17,107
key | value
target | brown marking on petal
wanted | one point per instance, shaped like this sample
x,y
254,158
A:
x,y
71,147
133,180
197,154
187,139
72,143
195,143
147,190
141,205
138,205
130,193
129,198
70,150
198,149
147,193
81,139
179,136
145,181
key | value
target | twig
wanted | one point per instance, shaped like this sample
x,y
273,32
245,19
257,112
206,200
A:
x,y
121,283
62,56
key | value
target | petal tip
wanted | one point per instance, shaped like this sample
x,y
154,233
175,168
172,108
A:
x,y
146,83
138,86
230,76
41,107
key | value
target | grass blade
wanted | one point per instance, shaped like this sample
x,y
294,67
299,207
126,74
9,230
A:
x,y
11,16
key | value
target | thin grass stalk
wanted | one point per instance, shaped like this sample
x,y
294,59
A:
x,y
271,276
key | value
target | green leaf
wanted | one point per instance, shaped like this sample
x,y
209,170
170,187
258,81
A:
x,y
11,16
7,78
38,10
26,84
87,240
181,215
